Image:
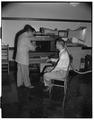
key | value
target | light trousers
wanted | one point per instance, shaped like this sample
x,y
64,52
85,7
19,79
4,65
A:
x,y
57,75
23,75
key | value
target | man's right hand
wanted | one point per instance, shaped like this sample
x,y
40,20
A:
x,y
48,60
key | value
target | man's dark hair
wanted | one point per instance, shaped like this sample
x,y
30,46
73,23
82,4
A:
x,y
29,28
61,41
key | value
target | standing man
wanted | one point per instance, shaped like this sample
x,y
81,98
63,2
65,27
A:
x,y
60,70
22,56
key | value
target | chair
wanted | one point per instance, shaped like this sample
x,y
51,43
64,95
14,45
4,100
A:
x,y
62,83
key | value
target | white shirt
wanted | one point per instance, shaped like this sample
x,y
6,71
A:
x,y
63,61
23,47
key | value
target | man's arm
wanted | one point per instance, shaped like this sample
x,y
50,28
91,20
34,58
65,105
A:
x,y
52,60
30,45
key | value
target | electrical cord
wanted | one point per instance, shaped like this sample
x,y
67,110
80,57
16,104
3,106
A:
x,y
79,71
71,64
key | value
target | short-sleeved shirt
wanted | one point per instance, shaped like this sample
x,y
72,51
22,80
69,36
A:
x,y
63,62
23,47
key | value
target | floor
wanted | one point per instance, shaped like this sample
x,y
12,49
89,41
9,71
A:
x,y
23,102
35,103
31,106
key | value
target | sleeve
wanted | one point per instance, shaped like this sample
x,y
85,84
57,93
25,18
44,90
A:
x,y
30,46
54,59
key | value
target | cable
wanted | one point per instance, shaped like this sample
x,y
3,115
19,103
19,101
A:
x,y
78,71
71,64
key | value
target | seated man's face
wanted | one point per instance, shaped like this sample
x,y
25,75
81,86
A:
x,y
58,45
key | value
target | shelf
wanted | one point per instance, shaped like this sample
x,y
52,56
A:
x,y
5,58
87,48
74,45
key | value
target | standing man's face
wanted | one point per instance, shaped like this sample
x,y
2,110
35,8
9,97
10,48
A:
x,y
31,34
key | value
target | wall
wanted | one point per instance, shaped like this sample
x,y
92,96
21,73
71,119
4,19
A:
x,y
11,27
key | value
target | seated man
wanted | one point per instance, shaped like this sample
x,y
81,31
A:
x,y
59,71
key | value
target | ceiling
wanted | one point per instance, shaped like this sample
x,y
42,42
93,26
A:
x,y
56,10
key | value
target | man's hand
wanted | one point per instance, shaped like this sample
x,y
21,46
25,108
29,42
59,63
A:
x,y
52,60
48,60
49,69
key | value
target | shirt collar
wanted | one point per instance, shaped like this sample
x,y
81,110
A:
x,y
62,50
